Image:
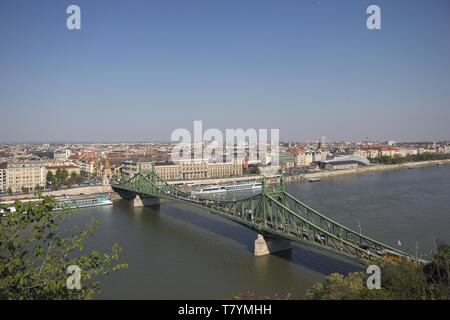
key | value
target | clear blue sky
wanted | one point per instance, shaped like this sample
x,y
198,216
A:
x,y
137,70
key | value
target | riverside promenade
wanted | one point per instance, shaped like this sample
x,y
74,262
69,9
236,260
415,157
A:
x,y
372,168
86,190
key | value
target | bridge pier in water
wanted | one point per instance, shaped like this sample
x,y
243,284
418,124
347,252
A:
x,y
144,201
270,245
139,200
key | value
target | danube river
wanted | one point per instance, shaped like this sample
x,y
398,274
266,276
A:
x,y
179,252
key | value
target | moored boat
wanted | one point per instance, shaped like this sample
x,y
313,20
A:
x,y
243,186
231,187
83,203
209,189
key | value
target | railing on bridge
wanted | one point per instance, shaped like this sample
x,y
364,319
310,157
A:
x,y
276,213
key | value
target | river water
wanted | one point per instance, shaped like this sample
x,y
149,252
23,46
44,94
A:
x,y
179,252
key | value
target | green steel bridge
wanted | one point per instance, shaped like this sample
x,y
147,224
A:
x,y
273,213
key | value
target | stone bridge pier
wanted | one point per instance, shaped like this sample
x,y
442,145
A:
x,y
145,201
139,200
264,246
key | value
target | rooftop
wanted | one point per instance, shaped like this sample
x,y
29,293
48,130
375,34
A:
x,y
349,158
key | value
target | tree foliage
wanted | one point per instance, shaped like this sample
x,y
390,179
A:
x,y
37,247
62,178
398,282
49,176
426,156
338,287
251,295
437,273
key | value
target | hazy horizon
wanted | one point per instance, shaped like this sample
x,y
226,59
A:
x,y
171,142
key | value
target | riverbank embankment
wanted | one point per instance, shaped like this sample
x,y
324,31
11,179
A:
x,y
373,168
86,190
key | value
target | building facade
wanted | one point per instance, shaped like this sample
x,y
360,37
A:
x,y
184,170
374,152
286,159
3,170
26,174
61,155
344,163
86,166
68,168
303,159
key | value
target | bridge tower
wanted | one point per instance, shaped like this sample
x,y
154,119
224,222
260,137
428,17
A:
x,y
270,244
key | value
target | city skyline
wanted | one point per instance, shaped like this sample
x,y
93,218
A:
x,y
143,142
136,73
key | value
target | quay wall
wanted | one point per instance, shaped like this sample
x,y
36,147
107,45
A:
x,y
373,168
62,192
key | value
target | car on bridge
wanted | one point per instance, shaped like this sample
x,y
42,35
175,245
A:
x,y
319,238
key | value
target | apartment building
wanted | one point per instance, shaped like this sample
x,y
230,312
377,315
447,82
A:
x,y
3,185
286,159
303,159
131,167
26,174
217,170
68,168
374,152
61,155
187,169
86,166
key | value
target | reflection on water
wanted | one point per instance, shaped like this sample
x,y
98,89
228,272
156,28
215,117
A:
x,y
178,252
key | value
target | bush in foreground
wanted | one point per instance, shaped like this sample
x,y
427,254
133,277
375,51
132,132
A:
x,y
398,282
36,249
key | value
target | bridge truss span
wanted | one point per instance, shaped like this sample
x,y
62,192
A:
x,y
274,213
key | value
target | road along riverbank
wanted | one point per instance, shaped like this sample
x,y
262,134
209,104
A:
x,y
373,168
87,190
